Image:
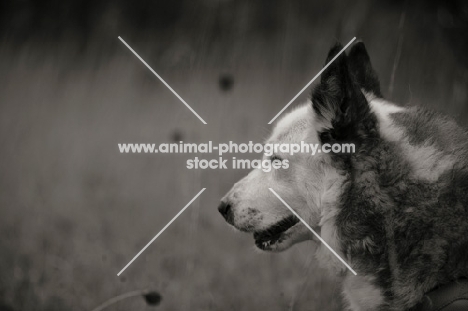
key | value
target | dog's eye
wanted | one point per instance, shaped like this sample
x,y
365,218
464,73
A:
x,y
275,157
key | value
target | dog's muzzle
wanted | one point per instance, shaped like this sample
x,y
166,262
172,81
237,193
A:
x,y
225,209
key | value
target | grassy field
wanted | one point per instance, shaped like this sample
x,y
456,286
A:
x,y
74,211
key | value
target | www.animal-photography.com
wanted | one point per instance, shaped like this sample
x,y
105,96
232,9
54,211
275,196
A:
x,y
234,155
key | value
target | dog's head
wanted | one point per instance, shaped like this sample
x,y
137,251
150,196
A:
x,y
337,113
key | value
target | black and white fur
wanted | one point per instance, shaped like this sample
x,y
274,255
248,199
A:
x,y
396,210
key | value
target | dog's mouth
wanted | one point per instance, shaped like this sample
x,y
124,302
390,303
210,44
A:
x,y
266,239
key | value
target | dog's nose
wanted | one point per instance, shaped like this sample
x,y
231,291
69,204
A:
x,y
225,209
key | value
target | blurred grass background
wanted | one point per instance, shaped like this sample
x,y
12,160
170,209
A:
x,y
73,211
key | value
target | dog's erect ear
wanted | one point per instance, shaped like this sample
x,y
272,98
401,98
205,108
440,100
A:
x,y
339,103
361,68
328,97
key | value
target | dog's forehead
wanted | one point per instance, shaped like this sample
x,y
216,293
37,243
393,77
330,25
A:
x,y
294,125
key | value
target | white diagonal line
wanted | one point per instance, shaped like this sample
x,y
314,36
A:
x,y
162,80
162,230
313,79
315,233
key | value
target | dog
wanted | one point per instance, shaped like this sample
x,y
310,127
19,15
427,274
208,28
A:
x,y
396,210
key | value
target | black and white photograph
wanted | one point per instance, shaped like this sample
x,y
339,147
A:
x,y
232,155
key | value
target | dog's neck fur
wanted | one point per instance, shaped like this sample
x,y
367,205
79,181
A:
x,y
367,209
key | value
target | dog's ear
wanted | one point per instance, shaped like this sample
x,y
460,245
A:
x,y
338,102
328,97
361,68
